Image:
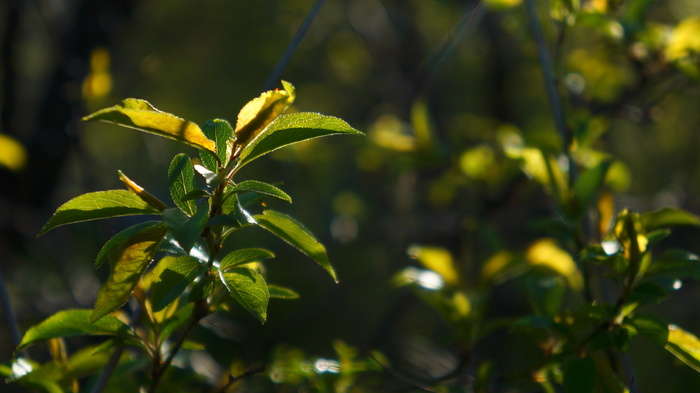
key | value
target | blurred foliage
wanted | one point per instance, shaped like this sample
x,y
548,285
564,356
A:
x,y
456,228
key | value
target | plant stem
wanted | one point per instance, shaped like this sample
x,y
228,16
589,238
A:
x,y
109,369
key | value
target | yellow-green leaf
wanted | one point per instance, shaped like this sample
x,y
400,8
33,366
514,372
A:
x,y
141,115
128,262
685,346
142,193
257,114
98,205
248,287
546,254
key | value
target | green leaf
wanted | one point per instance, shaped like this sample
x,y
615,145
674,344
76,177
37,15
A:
x,y
545,293
258,113
141,115
579,375
177,320
243,256
186,230
685,346
589,184
291,231
668,217
122,236
181,182
675,263
652,327
293,128
179,272
98,205
74,323
221,132
141,193
128,261
279,292
248,287
195,194
261,188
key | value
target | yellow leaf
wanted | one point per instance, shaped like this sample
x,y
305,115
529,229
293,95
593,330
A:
x,y
545,253
438,260
141,115
685,39
257,114
141,193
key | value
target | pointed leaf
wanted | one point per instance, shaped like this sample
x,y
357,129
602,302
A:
x,y
98,205
243,256
291,231
279,292
261,188
186,230
74,322
248,287
141,193
141,115
668,217
122,236
293,128
589,184
652,327
257,114
221,132
181,181
179,272
685,346
129,261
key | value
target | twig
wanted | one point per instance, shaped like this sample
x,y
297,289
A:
x,y
109,369
9,313
298,36
551,87
232,379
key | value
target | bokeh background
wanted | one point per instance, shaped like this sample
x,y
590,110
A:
x,y
435,85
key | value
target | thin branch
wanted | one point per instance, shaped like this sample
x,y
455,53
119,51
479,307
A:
x,y
109,369
232,380
9,313
291,48
550,83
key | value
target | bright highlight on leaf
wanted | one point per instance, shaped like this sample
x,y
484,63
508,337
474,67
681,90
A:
x,y
257,114
545,253
141,115
98,205
141,193
438,260
685,346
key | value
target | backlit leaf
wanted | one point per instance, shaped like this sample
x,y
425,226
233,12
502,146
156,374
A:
x,y
685,346
179,272
436,259
261,188
668,217
141,193
248,287
293,128
141,115
546,254
278,292
257,114
243,256
221,132
128,262
98,205
181,182
122,236
74,322
291,231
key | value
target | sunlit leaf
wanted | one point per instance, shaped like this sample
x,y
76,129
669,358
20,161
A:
x,y
261,188
257,114
279,292
122,236
75,322
179,272
244,256
181,182
248,287
293,128
141,193
668,217
98,205
12,154
579,375
546,254
221,132
128,262
141,115
438,260
685,346
291,231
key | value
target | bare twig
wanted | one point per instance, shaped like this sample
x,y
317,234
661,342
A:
x,y
303,28
232,380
